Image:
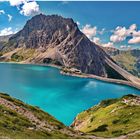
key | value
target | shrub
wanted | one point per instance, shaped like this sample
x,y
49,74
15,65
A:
x,y
117,133
101,128
108,102
16,57
92,118
115,121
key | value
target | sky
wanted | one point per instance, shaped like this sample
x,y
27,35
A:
x,y
110,24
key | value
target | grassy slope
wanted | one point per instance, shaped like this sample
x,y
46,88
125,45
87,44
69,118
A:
x,y
127,61
20,55
111,118
15,125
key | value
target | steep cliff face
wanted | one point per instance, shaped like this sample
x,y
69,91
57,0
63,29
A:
x,y
59,39
3,40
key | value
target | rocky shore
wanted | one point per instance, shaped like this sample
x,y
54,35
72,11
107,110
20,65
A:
x,y
83,75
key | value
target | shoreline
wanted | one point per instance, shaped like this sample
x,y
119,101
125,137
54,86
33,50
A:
x,y
35,64
83,75
109,80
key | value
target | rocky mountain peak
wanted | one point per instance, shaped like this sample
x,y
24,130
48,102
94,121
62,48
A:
x,y
42,30
51,23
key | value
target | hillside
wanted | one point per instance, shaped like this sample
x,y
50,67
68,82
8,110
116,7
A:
x,y
19,120
112,118
3,41
127,59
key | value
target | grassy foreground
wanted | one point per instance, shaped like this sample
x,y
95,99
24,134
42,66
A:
x,y
112,118
18,120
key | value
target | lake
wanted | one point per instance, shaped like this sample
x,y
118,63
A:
x,y
61,96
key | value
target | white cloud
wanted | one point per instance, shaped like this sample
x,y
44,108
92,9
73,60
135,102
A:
x,y
121,33
2,12
9,17
89,31
96,40
17,2
109,44
7,31
101,31
78,23
116,38
133,27
136,33
30,8
134,40
26,7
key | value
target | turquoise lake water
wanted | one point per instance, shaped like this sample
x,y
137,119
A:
x,y
61,96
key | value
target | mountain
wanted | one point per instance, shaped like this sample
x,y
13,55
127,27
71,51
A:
x,y
112,118
3,40
57,40
19,120
127,59
60,39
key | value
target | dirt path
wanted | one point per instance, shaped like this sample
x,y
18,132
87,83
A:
x,y
27,114
41,124
130,134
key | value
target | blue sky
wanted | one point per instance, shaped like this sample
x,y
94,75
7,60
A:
x,y
98,20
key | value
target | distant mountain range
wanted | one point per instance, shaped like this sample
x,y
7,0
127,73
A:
x,y
4,39
56,40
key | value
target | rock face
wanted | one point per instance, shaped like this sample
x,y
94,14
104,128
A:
x,y
59,39
4,39
72,47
